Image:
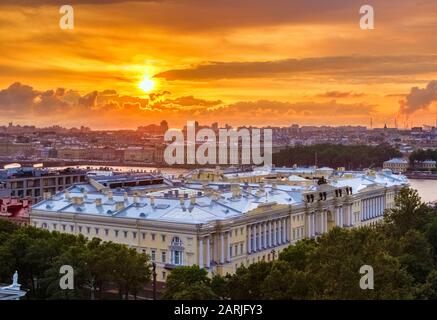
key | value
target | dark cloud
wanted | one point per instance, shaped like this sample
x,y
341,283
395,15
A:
x,y
340,66
192,101
89,100
17,98
100,108
419,99
339,94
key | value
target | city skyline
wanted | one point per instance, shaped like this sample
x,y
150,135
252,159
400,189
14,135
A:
x,y
130,63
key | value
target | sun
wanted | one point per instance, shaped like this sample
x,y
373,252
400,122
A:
x,y
146,84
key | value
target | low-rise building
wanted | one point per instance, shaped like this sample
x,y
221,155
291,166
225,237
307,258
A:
x,y
425,165
33,183
397,164
15,209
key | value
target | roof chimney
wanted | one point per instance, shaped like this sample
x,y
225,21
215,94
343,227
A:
x,y
67,194
47,195
119,206
110,195
193,200
125,196
98,201
152,201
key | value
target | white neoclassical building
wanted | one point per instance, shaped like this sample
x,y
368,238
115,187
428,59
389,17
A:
x,y
221,225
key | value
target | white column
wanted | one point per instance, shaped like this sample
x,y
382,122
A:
x,y
276,232
312,224
208,253
256,236
265,235
380,206
228,248
346,215
200,253
281,231
322,222
351,216
270,234
287,229
342,216
308,223
284,230
222,248
249,239
365,209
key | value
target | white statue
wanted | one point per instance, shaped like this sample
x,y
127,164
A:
x,y
15,279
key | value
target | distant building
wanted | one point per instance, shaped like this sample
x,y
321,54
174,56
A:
x,y
33,183
397,164
15,209
427,164
139,154
218,225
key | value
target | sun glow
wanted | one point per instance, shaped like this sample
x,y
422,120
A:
x,y
146,84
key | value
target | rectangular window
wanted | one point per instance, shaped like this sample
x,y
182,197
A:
x,y
80,228
153,237
116,233
163,256
97,230
230,250
125,234
71,228
63,227
177,258
143,234
106,232
162,238
153,255
88,229
134,235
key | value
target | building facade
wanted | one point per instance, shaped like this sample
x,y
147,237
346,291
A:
x,y
218,226
34,183
397,164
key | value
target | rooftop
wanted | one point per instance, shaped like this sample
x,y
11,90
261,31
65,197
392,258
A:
x,y
196,203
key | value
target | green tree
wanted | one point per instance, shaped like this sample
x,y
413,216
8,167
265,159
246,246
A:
x,y
188,283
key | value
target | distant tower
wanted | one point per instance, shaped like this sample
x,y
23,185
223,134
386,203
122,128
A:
x,y
164,126
371,123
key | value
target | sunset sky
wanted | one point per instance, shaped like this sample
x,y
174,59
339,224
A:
x,y
256,62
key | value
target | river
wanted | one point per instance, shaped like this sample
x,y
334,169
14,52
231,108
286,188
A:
x,y
427,188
